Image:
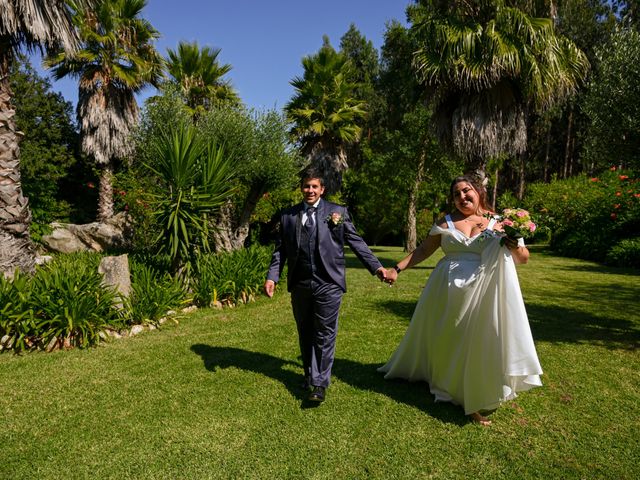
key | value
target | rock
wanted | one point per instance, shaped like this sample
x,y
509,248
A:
x,y
115,273
42,259
136,329
189,309
115,233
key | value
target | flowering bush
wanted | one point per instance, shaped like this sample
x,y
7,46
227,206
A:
x,y
587,216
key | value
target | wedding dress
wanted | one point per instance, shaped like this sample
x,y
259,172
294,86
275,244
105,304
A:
x,y
469,336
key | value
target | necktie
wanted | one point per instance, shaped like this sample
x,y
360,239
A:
x,y
309,223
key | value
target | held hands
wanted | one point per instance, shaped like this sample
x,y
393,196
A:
x,y
391,276
381,273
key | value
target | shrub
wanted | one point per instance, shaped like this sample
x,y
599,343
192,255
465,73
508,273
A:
x,y
626,253
586,216
18,322
73,305
153,293
231,277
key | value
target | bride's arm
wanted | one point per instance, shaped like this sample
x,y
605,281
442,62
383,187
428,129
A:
x,y
520,253
424,251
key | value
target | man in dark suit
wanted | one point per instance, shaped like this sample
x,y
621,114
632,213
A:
x,y
311,240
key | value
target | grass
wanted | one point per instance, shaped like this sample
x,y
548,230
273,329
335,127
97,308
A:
x,y
218,396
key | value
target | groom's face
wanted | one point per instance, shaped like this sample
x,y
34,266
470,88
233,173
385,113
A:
x,y
312,190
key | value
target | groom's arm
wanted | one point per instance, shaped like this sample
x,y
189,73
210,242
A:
x,y
360,248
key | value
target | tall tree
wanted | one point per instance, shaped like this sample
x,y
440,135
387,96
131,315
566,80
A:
x,y
325,113
402,142
33,24
258,143
364,72
49,146
117,59
198,73
612,104
490,65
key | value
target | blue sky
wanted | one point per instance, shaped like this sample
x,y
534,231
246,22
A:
x,y
264,41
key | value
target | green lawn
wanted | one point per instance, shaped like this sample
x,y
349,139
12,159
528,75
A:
x,y
217,396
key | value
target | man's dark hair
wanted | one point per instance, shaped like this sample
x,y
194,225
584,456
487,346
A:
x,y
311,172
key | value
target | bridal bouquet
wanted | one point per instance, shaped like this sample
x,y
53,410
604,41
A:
x,y
516,223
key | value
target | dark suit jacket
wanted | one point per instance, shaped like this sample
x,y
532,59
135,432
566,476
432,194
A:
x,y
331,241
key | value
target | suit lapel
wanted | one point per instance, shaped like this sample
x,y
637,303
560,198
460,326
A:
x,y
320,223
298,220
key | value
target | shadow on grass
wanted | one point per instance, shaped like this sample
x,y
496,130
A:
x,y
262,363
402,309
564,325
365,376
555,324
358,375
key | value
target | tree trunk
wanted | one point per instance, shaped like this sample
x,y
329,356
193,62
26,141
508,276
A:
x,y
567,148
521,176
105,193
495,190
231,232
16,249
545,174
412,235
332,161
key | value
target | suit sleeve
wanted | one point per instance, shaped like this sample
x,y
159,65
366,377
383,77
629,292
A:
x,y
279,255
358,245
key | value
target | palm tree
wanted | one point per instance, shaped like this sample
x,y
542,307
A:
x,y
39,24
199,76
325,113
490,65
116,60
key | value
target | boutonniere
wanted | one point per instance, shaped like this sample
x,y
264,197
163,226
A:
x,y
335,219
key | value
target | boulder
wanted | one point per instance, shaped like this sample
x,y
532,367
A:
x,y
114,233
115,273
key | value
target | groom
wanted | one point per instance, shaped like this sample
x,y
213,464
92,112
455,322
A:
x,y
311,239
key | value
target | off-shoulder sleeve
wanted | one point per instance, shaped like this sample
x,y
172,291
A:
x,y
436,230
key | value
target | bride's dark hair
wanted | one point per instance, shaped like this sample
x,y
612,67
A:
x,y
478,183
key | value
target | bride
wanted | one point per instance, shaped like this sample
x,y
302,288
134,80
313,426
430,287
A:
x,y
469,336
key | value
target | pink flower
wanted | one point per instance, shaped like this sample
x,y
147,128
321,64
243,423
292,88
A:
x,y
613,169
618,194
623,177
507,222
522,213
532,227
594,179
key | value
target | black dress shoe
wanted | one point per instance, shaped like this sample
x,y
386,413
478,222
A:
x,y
317,394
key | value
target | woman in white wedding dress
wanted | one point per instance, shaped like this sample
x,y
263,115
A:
x,y
469,336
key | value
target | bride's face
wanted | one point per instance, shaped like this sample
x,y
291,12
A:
x,y
465,198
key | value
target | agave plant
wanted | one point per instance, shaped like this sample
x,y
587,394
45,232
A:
x,y
197,176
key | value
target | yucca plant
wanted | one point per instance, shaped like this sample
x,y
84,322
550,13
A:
x,y
197,175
